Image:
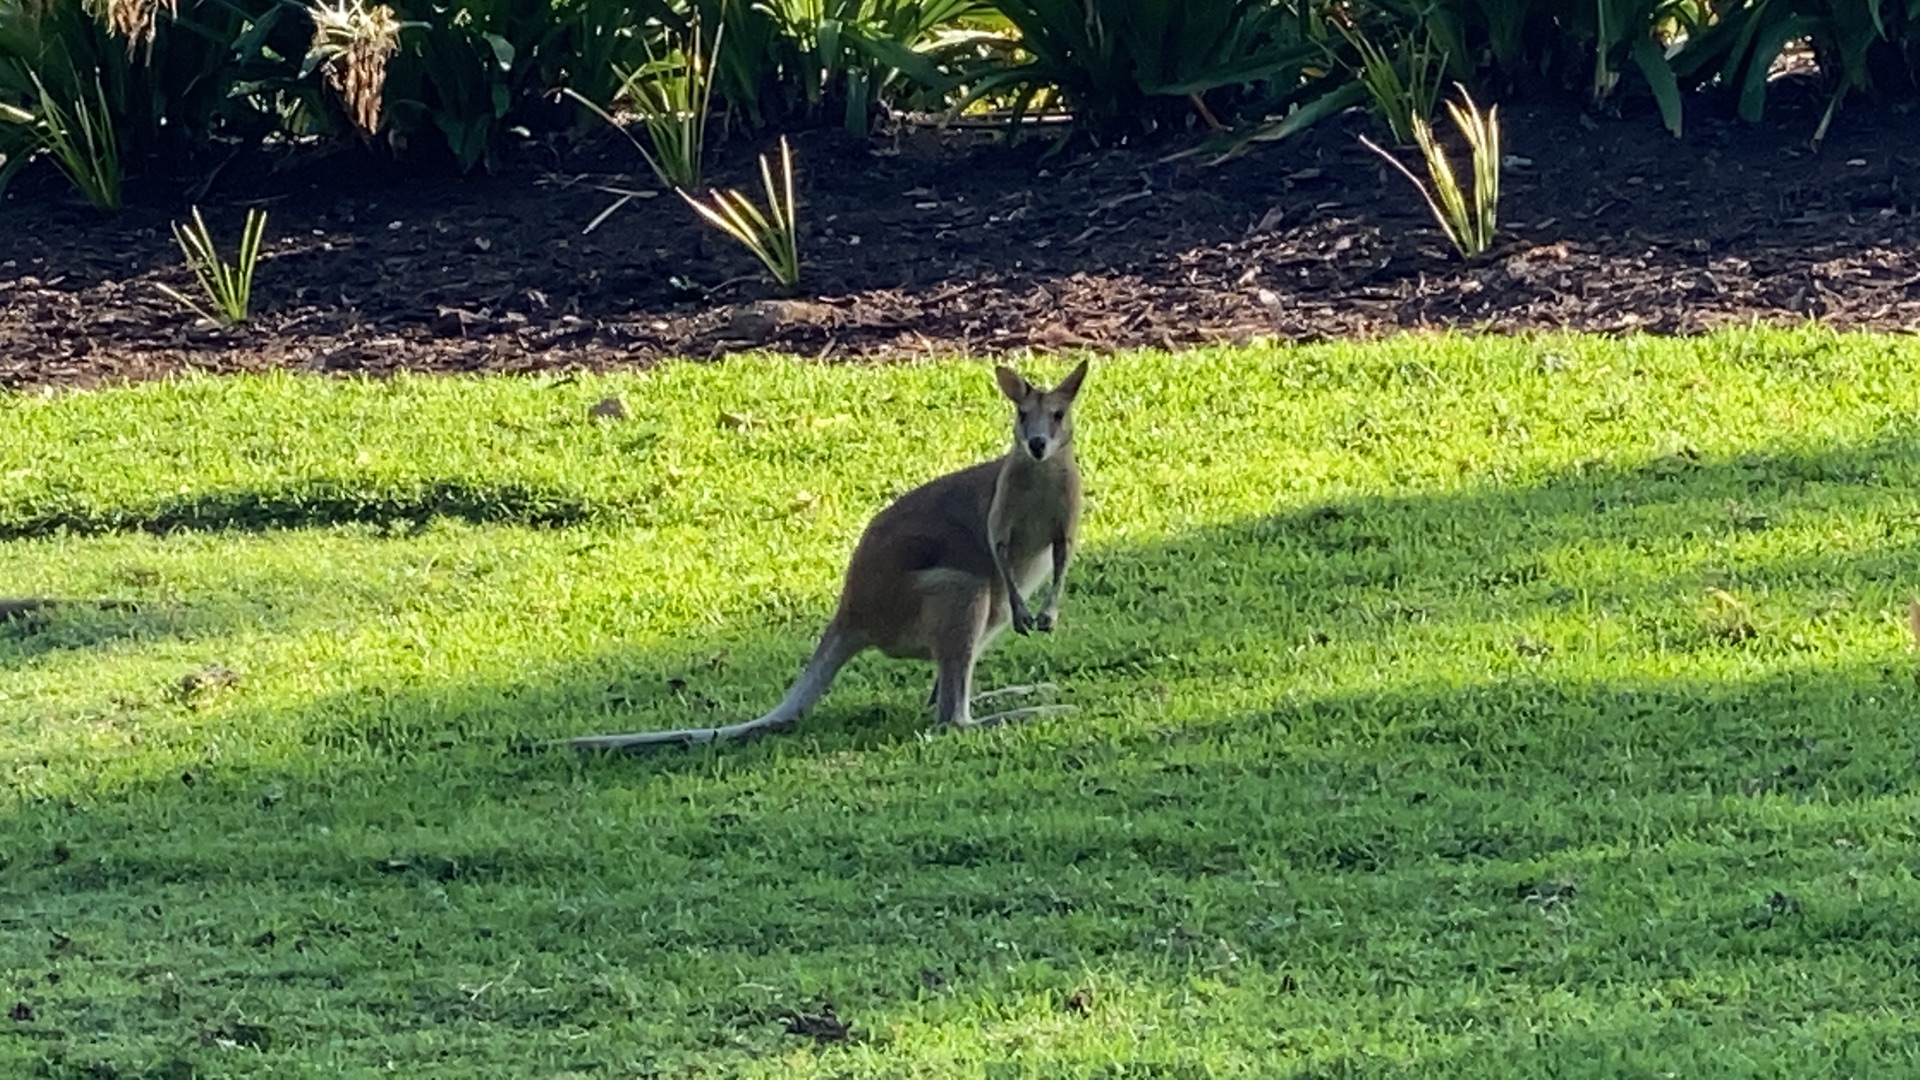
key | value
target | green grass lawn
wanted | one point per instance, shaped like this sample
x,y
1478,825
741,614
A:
x,y
1446,708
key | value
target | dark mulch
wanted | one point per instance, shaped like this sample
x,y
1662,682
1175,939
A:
x,y
938,243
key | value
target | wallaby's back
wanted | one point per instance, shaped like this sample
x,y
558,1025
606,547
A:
x,y
928,542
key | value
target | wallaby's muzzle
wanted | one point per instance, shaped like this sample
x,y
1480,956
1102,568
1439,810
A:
x,y
1037,446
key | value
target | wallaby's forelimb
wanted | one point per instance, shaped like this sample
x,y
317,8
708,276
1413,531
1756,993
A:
x,y
835,649
1062,555
1003,562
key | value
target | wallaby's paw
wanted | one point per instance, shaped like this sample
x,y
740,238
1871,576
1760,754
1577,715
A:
x,y
1022,621
1044,621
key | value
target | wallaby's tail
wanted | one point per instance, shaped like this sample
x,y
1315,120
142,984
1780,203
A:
x,y
833,652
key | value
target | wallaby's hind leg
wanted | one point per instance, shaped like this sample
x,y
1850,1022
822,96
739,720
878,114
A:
x,y
956,627
961,631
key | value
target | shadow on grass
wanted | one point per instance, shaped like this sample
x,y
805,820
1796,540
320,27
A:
x,y
314,504
1409,834
1569,842
57,625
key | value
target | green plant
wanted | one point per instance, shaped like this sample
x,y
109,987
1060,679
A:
x,y
673,95
852,51
788,61
1401,87
472,77
1630,29
1738,49
773,235
186,77
228,286
1470,223
456,83
78,134
1126,65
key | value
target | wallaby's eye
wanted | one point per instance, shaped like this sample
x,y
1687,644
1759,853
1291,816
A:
x,y
1059,415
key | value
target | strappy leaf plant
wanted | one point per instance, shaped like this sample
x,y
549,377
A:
x,y
673,96
228,286
772,235
78,134
1403,86
1470,221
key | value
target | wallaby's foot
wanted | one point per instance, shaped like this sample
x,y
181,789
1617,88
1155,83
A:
x,y
1013,716
641,741
933,698
1017,691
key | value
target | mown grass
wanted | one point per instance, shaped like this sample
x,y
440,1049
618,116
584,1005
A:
x,y
1470,708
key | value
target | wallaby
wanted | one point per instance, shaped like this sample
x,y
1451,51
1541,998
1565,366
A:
x,y
943,569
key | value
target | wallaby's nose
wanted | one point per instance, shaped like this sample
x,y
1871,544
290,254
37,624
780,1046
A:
x,y
1037,446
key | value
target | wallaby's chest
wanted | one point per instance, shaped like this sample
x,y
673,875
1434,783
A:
x,y
1032,508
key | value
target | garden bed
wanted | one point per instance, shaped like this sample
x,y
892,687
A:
x,y
941,242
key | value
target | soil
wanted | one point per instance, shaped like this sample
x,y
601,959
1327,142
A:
x,y
926,241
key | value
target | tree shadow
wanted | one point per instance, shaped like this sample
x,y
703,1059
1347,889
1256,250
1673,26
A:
x,y
307,504
71,625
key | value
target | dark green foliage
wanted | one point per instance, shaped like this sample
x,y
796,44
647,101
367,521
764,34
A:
x,y
170,102
1124,64
471,76
1667,47
787,62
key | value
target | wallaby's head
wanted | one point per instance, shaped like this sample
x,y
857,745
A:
x,y
1043,425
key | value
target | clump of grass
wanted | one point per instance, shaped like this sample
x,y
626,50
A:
x,y
1470,223
80,137
1399,98
772,235
673,96
229,286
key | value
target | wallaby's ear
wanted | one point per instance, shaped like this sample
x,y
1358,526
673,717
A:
x,y
1011,384
1070,386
